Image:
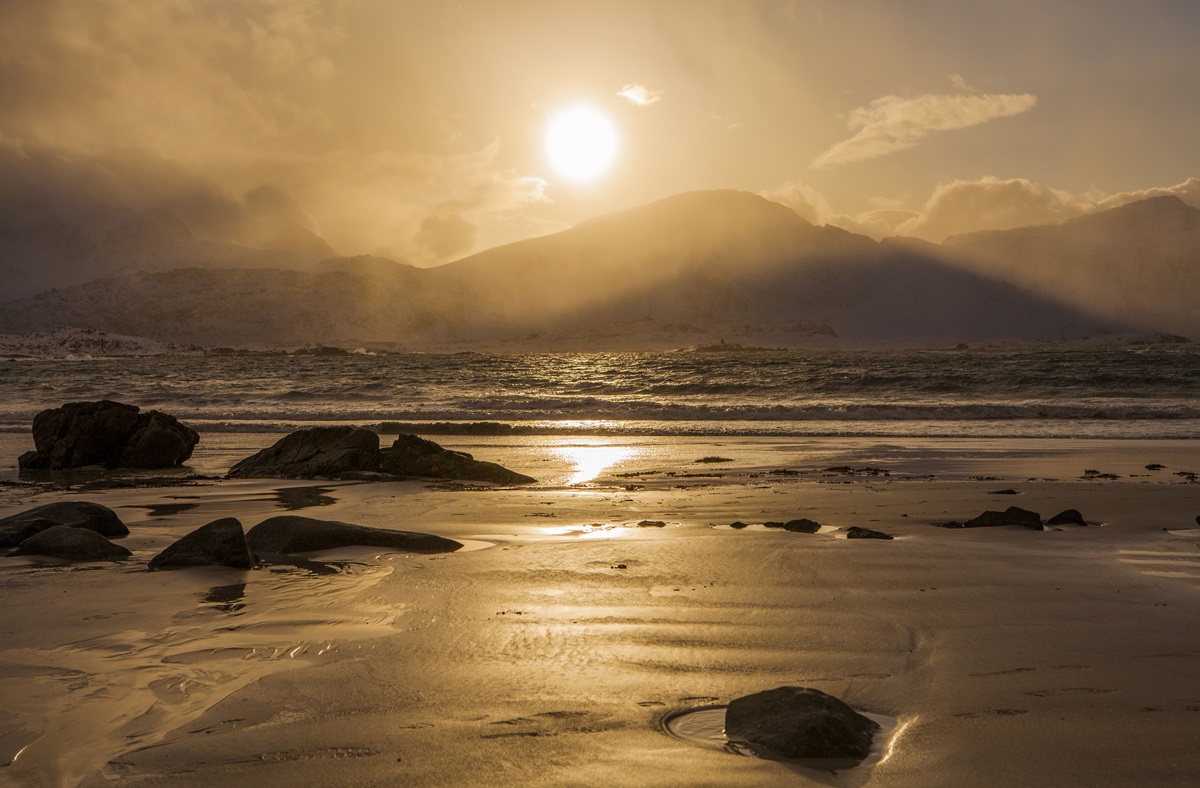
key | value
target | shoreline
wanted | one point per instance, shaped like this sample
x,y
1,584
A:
x,y
537,661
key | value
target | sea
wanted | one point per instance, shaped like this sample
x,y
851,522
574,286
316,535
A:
x,y
1144,393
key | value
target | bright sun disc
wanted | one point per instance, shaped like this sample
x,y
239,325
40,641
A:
x,y
581,143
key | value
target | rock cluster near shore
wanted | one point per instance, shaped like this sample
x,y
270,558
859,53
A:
x,y
106,433
354,453
77,531
1014,515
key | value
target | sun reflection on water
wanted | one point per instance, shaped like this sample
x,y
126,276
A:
x,y
590,461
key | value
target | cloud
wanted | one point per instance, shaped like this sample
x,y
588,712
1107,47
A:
x,y
893,123
445,236
640,95
1188,191
992,204
965,206
809,203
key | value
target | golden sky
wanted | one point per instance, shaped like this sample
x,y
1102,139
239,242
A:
x,y
416,130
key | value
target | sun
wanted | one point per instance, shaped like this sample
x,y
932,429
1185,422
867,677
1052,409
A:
x,y
581,143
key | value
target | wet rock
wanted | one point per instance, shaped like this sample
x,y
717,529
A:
x,y
1154,466
414,456
1003,492
854,532
1067,517
802,525
18,527
107,433
219,543
1013,515
71,544
652,524
737,525
294,534
799,722
317,452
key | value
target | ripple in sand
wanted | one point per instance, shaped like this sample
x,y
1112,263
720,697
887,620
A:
x,y
705,725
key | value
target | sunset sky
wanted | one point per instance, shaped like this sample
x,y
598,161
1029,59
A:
x,y
416,130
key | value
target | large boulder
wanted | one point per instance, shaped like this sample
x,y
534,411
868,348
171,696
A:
x,y
107,433
317,452
410,455
799,722
18,527
856,532
219,543
71,544
294,534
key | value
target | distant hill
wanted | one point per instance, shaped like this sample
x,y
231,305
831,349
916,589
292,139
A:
x,y
687,270
1138,264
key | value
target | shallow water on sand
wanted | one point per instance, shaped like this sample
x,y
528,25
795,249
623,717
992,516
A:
x,y
198,636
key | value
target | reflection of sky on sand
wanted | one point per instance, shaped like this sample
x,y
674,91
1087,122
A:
x,y
589,461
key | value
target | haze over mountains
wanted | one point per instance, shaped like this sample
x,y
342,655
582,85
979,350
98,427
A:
x,y
690,269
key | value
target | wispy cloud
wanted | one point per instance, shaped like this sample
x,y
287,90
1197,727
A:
x,y
640,95
893,123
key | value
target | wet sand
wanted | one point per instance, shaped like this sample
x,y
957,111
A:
x,y
1007,656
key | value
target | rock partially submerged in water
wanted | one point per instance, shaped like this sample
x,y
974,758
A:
x,y
71,544
1013,515
18,527
354,453
294,534
317,452
219,543
411,455
855,532
799,722
107,433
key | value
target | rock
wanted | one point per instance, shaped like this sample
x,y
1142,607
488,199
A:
x,y
18,527
71,544
652,524
737,525
317,452
414,456
854,532
802,525
219,543
1067,517
294,534
1013,515
799,722
1154,466
1003,492
158,441
107,433
774,524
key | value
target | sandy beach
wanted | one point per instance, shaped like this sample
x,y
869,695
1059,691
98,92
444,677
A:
x,y
549,650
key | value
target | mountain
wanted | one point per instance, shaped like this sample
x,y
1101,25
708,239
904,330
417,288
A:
x,y
689,269
1137,264
58,251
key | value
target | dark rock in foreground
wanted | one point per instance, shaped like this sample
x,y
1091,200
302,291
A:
x,y
854,532
107,433
1013,515
219,543
318,452
799,722
293,534
1067,517
18,527
414,456
71,544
